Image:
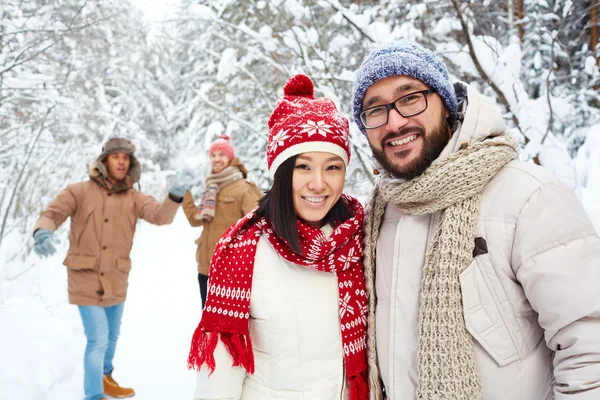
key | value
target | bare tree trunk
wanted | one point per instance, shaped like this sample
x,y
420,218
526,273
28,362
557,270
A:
x,y
483,74
520,17
18,181
594,29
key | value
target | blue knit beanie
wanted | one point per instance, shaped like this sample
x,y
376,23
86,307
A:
x,y
403,58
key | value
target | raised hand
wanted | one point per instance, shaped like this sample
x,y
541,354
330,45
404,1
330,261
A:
x,y
44,243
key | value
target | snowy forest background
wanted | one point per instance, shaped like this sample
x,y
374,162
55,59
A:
x,y
75,72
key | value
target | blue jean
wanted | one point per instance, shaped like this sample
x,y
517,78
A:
x,y
102,326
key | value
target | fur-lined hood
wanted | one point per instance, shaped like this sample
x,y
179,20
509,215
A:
x,y
97,169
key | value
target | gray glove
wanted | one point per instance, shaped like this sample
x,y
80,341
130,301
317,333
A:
x,y
182,181
177,191
44,243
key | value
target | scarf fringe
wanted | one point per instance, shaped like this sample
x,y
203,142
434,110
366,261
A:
x,y
204,344
240,348
202,349
374,381
359,388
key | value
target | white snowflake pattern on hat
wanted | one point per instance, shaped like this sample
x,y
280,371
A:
x,y
312,128
278,140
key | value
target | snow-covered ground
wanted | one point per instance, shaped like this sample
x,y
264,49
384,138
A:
x,y
42,339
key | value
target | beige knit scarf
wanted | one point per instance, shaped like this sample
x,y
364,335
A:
x,y
451,186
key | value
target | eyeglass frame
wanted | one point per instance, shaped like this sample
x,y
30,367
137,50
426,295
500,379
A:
x,y
392,105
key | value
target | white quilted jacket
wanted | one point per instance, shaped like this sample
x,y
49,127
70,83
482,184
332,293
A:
x,y
295,331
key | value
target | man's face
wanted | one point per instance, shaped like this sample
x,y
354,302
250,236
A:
x,y
406,147
117,165
219,161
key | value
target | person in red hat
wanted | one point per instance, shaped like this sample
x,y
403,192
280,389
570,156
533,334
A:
x,y
285,314
228,196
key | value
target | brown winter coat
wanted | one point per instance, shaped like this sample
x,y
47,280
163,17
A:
x,y
101,236
234,200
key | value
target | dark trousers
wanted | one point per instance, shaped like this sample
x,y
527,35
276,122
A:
x,y
203,282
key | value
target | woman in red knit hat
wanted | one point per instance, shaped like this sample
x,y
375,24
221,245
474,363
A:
x,y
228,196
285,314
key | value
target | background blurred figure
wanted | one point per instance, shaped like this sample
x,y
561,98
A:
x,y
228,196
104,211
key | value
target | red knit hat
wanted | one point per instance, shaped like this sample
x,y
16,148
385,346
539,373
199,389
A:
x,y
302,123
223,144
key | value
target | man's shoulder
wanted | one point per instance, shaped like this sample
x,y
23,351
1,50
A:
x,y
242,185
528,173
522,176
82,186
514,184
253,188
251,184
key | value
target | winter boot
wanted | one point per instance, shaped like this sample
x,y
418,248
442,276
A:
x,y
112,389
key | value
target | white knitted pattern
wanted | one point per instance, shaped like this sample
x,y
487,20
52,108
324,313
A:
x,y
447,369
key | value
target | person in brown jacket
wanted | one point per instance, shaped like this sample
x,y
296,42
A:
x,y
228,197
104,211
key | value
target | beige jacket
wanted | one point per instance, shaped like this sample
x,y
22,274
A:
x,y
531,303
234,200
101,236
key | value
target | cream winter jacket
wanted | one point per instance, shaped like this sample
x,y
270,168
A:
x,y
531,296
295,331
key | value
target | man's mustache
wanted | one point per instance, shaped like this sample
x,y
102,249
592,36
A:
x,y
404,131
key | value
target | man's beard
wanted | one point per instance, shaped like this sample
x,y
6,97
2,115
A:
x,y
433,144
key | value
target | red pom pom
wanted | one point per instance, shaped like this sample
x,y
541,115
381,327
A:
x,y
224,137
299,85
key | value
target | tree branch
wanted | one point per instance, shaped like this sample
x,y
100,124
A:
x,y
481,71
30,152
337,6
222,110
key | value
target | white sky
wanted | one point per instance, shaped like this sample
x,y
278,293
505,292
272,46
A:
x,y
156,10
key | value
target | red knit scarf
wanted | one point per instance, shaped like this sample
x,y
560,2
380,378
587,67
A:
x,y
227,312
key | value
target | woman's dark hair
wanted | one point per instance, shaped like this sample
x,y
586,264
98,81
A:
x,y
277,206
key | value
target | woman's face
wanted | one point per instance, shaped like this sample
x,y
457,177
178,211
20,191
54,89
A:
x,y
317,183
219,161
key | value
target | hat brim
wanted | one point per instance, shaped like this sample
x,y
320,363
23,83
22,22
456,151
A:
x,y
308,147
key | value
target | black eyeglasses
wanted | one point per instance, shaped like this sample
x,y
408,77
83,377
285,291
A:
x,y
408,106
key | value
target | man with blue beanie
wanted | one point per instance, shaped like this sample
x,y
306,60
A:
x,y
482,271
